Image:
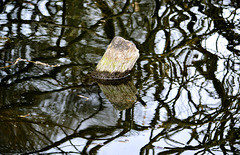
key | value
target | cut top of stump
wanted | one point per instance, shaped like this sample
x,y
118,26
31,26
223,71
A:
x,y
117,61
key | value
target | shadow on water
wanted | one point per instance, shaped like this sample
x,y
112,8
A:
x,y
182,96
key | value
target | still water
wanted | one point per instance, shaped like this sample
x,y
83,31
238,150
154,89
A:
x,y
182,96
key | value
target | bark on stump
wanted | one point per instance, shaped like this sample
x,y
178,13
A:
x,y
118,60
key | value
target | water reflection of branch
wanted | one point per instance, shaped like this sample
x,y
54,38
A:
x,y
43,137
98,147
81,134
44,23
126,126
70,141
29,121
208,125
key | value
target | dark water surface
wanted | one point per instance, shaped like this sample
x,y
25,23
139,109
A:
x,y
181,98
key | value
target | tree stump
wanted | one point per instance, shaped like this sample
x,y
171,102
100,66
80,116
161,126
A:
x,y
117,61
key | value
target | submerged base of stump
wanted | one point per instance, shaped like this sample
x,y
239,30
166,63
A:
x,y
117,61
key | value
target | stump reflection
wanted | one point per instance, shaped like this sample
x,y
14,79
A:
x,y
121,93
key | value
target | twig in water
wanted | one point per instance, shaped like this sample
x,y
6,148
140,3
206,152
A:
x,y
84,97
35,62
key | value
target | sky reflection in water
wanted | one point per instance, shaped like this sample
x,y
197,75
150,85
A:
x,y
183,92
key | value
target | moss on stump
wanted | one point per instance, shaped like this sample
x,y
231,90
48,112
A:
x,y
118,60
